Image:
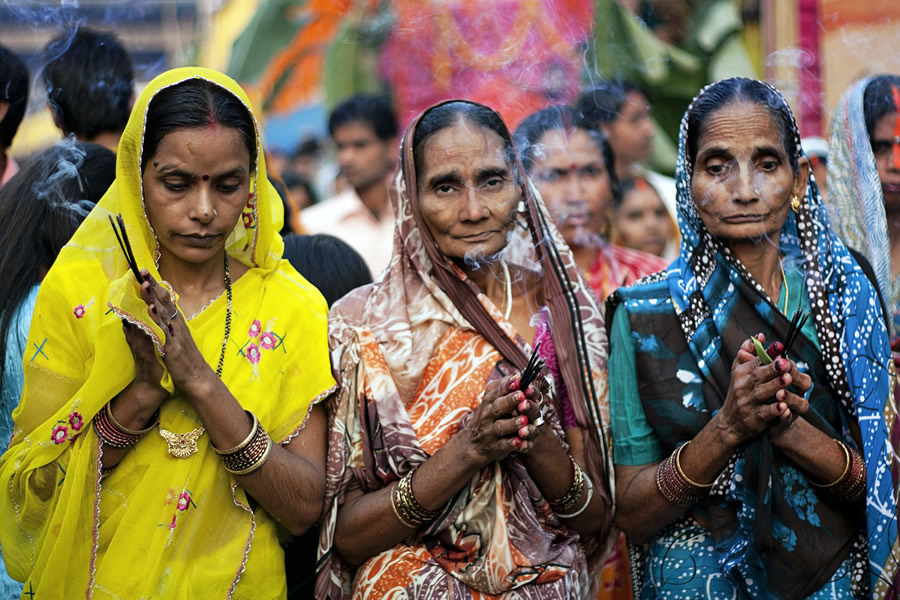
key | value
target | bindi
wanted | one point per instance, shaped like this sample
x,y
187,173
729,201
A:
x,y
205,178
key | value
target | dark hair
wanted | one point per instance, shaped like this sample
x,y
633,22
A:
x,y
630,184
196,103
14,90
602,103
41,206
878,100
741,89
450,113
293,179
328,263
530,131
374,111
89,81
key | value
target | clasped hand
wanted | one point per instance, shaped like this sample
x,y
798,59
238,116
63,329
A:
x,y
182,357
504,423
758,395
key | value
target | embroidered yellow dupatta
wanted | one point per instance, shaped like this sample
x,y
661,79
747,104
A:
x,y
157,526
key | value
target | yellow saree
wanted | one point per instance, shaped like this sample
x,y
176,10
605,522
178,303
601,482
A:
x,y
157,526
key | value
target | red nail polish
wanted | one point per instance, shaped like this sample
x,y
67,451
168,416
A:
x,y
523,432
517,442
783,380
523,420
523,406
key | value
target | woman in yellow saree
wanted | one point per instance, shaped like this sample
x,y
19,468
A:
x,y
160,438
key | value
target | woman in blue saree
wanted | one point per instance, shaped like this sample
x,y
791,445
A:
x,y
743,476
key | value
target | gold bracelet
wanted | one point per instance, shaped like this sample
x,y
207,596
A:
x,y
122,429
573,494
681,472
846,468
255,464
246,441
397,514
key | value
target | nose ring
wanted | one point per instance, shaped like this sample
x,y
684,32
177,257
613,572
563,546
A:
x,y
756,192
215,213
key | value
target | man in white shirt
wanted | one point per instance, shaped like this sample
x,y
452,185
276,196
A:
x,y
364,131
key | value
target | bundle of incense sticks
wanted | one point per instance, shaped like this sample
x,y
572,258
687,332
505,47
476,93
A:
x,y
797,322
534,366
118,226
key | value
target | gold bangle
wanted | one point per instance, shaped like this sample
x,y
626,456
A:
x,y
397,514
256,464
247,439
122,429
681,472
846,468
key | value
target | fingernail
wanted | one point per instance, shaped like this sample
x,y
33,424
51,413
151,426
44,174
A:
x,y
513,385
523,432
523,406
517,442
783,379
781,364
531,389
523,420
145,274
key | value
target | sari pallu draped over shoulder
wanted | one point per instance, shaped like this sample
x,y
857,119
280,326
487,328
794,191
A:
x,y
423,340
855,197
775,535
157,526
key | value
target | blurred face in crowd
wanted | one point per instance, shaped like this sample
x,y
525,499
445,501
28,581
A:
x,y
364,159
742,178
887,160
642,221
569,172
631,134
467,192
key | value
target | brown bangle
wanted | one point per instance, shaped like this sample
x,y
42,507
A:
x,y
251,454
154,419
110,435
673,486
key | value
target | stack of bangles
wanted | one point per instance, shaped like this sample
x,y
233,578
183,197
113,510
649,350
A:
x,y
851,485
674,485
573,496
250,454
406,507
114,434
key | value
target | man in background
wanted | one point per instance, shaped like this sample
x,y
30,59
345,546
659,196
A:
x,y
13,102
364,131
90,85
621,109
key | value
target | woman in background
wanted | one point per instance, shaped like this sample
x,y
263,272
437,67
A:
x,y
864,180
571,166
640,219
40,208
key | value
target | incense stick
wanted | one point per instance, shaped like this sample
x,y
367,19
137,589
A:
x,y
118,226
532,369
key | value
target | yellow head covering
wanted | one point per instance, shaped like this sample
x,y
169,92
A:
x,y
158,526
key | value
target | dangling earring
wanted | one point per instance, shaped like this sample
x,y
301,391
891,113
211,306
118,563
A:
x,y
795,203
521,207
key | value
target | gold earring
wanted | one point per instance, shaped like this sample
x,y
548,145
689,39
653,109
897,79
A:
x,y
795,203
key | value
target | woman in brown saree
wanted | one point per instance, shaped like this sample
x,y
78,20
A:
x,y
445,479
